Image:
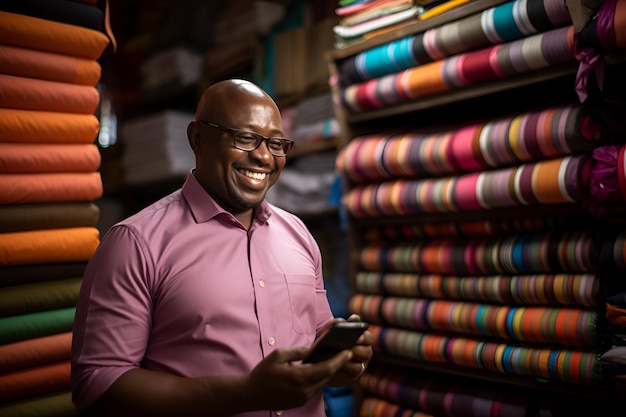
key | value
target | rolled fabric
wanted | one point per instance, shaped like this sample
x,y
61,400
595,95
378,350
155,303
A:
x,y
41,34
542,50
502,23
537,289
440,395
35,351
42,95
72,13
24,62
22,274
52,245
505,141
39,296
39,380
48,157
43,323
46,405
608,173
569,326
21,217
574,251
50,188
28,126
553,181
572,365
469,228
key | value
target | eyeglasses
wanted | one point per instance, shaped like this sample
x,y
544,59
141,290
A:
x,y
248,141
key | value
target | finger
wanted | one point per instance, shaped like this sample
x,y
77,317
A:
x,y
354,317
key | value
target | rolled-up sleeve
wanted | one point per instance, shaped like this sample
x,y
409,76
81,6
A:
x,y
113,315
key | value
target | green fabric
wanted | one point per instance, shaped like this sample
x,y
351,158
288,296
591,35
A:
x,y
26,326
51,405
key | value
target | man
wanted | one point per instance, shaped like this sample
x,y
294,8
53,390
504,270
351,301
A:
x,y
205,302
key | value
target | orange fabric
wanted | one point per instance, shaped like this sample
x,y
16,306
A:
x,y
425,80
42,95
545,181
69,244
34,381
42,65
48,157
50,187
47,127
47,35
616,315
36,351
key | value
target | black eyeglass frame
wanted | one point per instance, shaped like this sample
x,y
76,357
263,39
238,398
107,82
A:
x,y
286,143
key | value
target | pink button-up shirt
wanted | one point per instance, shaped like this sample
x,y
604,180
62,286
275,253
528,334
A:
x,y
181,287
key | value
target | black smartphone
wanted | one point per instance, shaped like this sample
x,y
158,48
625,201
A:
x,y
340,336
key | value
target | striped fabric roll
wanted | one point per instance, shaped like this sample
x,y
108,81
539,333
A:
x,y
503,23
445,396
467,228
526,137
570,365
554,181
375,407
581,290
543,50
567,326
572,251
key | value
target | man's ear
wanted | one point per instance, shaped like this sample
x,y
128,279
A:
x,y
193,136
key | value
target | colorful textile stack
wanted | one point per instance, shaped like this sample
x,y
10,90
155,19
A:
x,y
366,19
515,288
504,41
400,392
49,181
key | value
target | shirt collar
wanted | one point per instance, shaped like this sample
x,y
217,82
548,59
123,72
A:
x,y
204,207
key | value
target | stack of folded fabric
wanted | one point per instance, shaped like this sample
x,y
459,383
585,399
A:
x,y
366,19
49,181
311,120
172,68
156,147
305,185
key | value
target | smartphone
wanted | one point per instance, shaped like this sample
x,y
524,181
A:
x,y
340,336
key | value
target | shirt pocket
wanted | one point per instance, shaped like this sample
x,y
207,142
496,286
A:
x,y
302,299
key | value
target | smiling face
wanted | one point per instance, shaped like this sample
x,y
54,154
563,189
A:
x,y
236,179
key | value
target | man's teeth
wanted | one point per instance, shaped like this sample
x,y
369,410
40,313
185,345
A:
x,y
255,175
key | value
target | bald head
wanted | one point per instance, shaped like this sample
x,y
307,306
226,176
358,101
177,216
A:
x,y
212,104
237,179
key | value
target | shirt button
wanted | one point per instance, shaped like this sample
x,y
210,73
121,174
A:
x,y
262,284
271,341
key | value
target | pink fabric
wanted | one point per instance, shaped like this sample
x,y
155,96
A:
x,y
604,177
181,288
